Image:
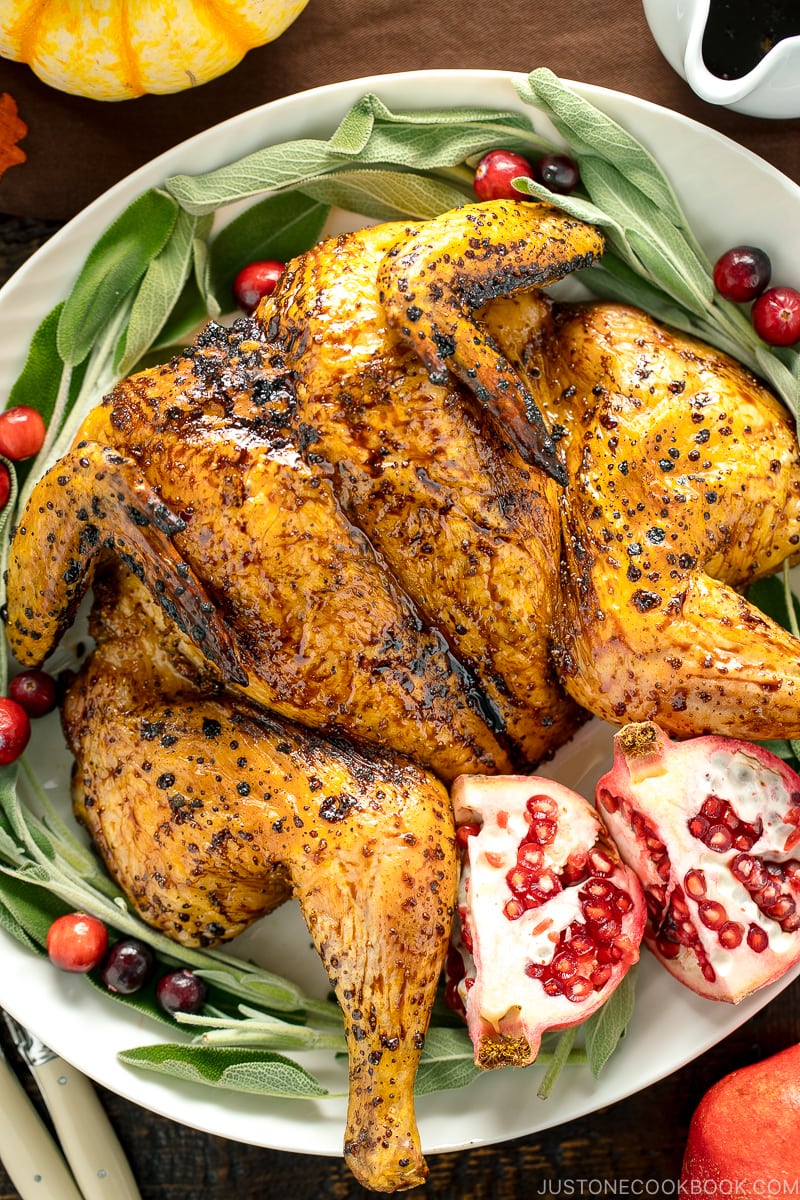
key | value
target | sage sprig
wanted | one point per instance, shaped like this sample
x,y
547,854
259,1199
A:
x,y
650,241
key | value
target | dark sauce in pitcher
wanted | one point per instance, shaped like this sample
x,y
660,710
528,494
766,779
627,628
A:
x,y
739,33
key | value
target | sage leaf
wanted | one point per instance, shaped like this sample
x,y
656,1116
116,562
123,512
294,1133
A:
x,y
645,224
116,263
590,131
354,129
386,195
560,1058
12,926
159,291
37,386
448,1061
33,908
279,227
603,1030
256,1071
275,168
268,989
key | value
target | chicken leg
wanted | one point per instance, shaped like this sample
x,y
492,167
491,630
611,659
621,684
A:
x,y
210,812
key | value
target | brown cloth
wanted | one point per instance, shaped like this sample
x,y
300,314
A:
x,y
76,148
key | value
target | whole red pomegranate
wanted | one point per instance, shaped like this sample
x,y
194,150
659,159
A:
x,y
743,1135
712,828
549,918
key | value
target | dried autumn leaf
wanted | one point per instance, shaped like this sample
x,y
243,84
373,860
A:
x,y
12,130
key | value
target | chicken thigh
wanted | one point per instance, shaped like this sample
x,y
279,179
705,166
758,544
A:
x,y
683,487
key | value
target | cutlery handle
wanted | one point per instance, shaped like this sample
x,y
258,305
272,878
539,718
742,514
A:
x,y
29,1154
97,1159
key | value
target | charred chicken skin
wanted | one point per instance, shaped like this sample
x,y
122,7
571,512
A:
x,y
412,504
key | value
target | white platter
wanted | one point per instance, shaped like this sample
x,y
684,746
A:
x,y
731,197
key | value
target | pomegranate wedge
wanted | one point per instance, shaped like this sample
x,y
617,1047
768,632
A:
x,y
549,918
711,826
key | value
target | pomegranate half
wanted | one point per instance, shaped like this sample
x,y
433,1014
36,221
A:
x,y
712,828
549,918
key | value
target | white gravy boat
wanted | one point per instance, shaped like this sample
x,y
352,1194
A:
x,y
770,89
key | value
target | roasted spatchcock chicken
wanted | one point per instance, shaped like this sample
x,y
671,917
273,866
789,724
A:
x,y
413,520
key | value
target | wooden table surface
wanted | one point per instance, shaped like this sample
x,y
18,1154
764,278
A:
x,y
637,1143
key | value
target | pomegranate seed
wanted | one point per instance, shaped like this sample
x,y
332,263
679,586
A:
x,y
599,889
541,806
718,839
668,948
495,174
742,273
15,730
600,862
255,281
494,859
784,907
578,989
757,939
530,856
557,172
35,691
22,432
519,880
543,831
581,945
564,965
552,986
776,316
600,976
712,914
464,833
502,819
694,882
730,935
513,909
713,808
769,894
607,929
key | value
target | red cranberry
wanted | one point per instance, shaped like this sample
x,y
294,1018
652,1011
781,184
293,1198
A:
x,y
15,730
495,172
22,432
5,485
35,691
557,172
255,281
742,273
128,966
181,991
77,942
776,316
